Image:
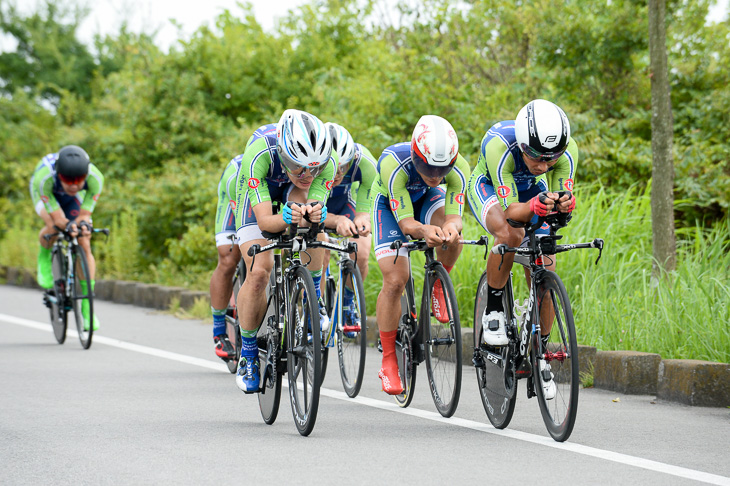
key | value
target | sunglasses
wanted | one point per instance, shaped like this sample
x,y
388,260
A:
x,y
534,154
342,169
302,172
78,180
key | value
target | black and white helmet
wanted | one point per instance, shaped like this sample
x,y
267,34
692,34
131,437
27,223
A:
x,y
343,146
302,142
542,130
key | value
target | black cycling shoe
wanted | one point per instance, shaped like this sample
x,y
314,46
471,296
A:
x,y
223,347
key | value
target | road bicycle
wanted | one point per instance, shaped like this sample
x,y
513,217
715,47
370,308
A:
x,y
421,336
527,355
289,338
69,269
348,320
232,328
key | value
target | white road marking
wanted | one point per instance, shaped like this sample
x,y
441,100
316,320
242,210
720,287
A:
x,y
625,459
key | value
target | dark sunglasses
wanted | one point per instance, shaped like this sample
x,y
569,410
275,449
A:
x,y
72,180
534,154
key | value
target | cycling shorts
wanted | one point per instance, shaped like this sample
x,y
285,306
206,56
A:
x,y
342,205
385,226
249,229
482,197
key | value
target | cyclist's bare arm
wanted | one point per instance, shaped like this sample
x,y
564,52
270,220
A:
x,y
433,235
274,223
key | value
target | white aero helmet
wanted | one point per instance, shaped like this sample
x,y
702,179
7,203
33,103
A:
x,y
542,130
302,142
343,146
434,146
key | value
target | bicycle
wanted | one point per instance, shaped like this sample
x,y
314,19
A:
x,y
70,268
499,368
290,338
421,337
232,327
351,337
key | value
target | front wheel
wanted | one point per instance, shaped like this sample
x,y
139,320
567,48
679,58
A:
x,y
269,340
304,348
56,299
498,402
555,358
352,339
442,340
82,298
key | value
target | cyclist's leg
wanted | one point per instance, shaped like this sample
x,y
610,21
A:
x,y
229,254
45,274
395,277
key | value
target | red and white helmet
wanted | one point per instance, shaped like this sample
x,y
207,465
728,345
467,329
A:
x,y
434,146
302,142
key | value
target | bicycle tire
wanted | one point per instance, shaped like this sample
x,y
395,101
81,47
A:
x,y
81,272
404,352
351,351
442,343
304,355
498,404
233,329
270,360
329,293
57,301
558,413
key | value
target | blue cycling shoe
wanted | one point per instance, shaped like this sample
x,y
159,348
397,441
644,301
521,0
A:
x,y
248,379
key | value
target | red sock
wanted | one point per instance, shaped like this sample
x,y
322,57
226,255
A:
x,y
448,268
389,370
387,340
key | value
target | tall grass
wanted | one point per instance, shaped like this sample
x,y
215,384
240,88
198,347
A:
x,y
617,305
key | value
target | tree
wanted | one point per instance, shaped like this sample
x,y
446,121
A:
x,y
662,195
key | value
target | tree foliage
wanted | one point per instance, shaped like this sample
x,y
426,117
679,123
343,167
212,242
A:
x,y
162,125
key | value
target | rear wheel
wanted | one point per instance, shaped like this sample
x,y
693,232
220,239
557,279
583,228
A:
x,y
304,350
405,354
556,361
232,328
57,297
442,342
352,336
498,402
82,298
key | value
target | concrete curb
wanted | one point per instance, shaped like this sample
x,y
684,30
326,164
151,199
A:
x,y
691,382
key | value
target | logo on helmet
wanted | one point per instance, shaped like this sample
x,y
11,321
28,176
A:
x,y
460,198
313,164
394,204
550,139
253,183
569,184
503,191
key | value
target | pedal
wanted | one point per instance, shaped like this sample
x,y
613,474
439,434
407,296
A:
x,y
380,346
477,359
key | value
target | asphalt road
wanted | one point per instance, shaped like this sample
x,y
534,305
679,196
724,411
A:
x,y
150,403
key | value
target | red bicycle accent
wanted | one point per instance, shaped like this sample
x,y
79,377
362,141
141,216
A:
x,y
560,356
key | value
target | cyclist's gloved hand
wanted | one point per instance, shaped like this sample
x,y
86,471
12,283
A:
x,y
571,203
324,214
71,228
287,213
85,227
538,204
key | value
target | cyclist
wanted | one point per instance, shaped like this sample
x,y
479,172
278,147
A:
x,y
347,215
521,166
289,161
64,188
221,283
407,200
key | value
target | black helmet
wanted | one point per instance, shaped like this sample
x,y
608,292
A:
x,y
72,165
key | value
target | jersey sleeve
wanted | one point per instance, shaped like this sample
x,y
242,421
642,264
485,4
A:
x,y
562,177
41,188
255,164
456,181
368,172
500,164
322,184
392,182
95,182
